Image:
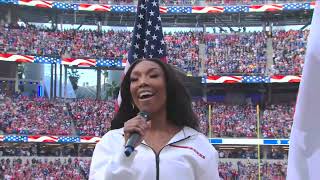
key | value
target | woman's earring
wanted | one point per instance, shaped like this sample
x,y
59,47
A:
x,y
133,106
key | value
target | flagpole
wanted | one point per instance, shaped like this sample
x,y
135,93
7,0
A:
x,y
209,121
258,136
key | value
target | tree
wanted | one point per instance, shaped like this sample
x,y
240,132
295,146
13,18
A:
x,y
113,90
74,78
20,71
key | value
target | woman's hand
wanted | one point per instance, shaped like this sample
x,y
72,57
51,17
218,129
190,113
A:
x,y
137,124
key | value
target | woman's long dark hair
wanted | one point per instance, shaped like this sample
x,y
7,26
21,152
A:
x,y
178,103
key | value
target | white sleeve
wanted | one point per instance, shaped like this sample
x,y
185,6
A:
x,y
109,161
211,165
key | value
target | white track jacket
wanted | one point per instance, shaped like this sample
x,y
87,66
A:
x,y
187,156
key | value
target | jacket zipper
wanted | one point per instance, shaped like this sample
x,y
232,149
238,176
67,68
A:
x,y
158,156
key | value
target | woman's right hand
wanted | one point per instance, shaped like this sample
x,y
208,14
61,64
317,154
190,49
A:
x,y
137,124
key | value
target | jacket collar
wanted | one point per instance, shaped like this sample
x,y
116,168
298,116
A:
x,y
184,133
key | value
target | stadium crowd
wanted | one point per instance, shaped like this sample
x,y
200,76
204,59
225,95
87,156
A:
x,y
233,120
70,43
248,170
238,153
182,2
183,50
88,117
289,51
78,168
37,116
248,57
37,168
277,120
39,149
236,53
201,110
91,117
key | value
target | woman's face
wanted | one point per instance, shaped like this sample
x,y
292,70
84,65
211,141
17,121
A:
x,y
148,87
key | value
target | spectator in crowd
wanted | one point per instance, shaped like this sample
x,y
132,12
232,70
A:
x,y
92,117
39,150
33,116
246,170
183,51
289,51
89,117
236,53
200,108
43,169
239,153
247,57
233,120
274,170
277,120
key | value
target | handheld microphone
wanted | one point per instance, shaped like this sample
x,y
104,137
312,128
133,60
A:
x,y
134,137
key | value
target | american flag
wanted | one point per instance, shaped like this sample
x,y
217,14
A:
x,y
39,138
9,1
15,138
232,9
255,79
109,62
17,58
179,9
64,139
62,5
147,37
296,6
121,8
45,60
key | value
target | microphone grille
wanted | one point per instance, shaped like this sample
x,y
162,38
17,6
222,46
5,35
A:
x,y
144,114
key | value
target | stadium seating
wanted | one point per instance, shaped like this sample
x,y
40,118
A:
x,y
277,120
223,57
88,117
44,168
289,51
236,53
37,116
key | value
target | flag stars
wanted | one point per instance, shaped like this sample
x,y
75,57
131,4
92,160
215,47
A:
x,y
148,32
157,27
160,51
141,16
154,3
142,6
154,37
151,13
